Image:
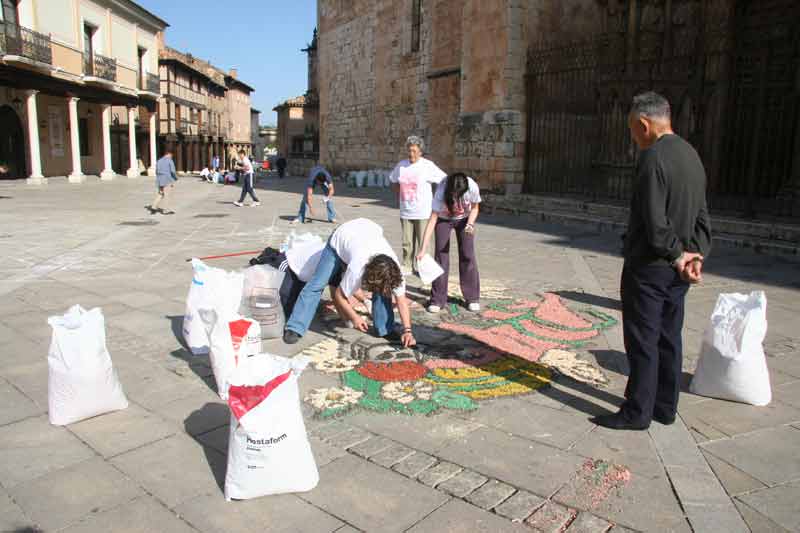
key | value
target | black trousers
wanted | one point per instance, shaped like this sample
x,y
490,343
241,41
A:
x,y
247,187
652,319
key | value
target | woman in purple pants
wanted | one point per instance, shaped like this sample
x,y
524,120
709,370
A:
x,y
455,207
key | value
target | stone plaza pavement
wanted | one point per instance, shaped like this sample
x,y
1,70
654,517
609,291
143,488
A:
x,y
515,453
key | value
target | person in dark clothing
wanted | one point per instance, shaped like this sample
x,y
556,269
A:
x,y
669,235
281,164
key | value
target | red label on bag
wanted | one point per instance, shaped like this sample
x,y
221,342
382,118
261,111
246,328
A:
x,y
238,329
243,398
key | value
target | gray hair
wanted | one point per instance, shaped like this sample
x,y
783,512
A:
x,y
651,105
413,140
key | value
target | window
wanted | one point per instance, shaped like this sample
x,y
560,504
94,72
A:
x,y
88,49
83,135
416,24
140,52
297,144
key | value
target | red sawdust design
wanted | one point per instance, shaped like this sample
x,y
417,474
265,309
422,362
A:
x,y
395,371
505,339
483,356
557,334
553,310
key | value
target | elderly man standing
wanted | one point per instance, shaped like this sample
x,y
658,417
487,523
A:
x,y
165,181
412,179
669,235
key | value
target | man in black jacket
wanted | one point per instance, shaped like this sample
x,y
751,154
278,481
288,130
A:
x,y
669,235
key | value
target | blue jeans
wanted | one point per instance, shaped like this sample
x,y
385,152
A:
x,y
301,215
329,271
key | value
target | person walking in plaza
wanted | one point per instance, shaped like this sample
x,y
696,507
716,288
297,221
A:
x,y
669,235
412,179
246,171
317,176
356,257
455,208
215,163
166,177
281,164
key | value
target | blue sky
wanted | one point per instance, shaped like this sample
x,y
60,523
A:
x,y
261,38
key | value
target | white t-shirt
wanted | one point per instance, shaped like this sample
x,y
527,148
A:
x,y
415,187
462,207
304,258
247,166
356,242
205,172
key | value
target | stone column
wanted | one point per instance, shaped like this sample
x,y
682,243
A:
x,y
36,177
133,171
75,142
152,170
108,173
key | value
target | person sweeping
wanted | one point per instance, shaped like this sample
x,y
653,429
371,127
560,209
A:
x,y
455,207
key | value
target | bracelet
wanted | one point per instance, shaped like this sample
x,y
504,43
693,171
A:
x,y
408,330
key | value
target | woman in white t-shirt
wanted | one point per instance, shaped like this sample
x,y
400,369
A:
x,y
455,207
412,179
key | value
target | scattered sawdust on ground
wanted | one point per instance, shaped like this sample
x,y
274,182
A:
x,y
568,364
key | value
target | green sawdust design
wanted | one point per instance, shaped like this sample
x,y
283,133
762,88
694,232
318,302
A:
x,y
374,401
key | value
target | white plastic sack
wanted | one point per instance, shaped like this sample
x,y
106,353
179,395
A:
x,y
211,288
732,363
232,339
429,269
82,382
268,450
261,299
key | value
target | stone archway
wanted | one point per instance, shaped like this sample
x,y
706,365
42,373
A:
x,y
12,144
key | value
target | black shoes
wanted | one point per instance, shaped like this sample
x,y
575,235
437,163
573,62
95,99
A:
x,y
290,337
666,420
618,421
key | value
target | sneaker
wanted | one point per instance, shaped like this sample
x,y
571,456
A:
x,y
474,307
332,221
406,271
238,204
294,222
434,309
255,204
290,337
167,212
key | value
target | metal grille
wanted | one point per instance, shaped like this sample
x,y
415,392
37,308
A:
x,y
100,66
153,83
730,75
20,41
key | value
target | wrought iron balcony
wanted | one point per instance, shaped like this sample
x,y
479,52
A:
x,y
153,84
203,129
183,126
20,41
100,66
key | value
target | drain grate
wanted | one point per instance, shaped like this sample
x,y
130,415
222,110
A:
x,y
212,215
138,223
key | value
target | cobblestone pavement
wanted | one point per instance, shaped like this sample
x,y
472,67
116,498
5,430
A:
x,y
483,428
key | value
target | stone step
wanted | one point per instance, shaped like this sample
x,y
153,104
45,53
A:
x,y
758,237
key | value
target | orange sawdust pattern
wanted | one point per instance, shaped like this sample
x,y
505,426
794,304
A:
x,y
394,371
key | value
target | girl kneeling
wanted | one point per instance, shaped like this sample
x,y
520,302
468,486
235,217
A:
x,y
455,207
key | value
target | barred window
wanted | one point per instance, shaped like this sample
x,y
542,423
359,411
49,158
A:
x,y
416,24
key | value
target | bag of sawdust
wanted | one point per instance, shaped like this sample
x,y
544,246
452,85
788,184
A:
x,y
82,382
268,449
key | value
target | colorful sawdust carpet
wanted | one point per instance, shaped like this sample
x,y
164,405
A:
x,y
506,350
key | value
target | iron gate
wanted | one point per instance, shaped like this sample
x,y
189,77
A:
x,y
730,71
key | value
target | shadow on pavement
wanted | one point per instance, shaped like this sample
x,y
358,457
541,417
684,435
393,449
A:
x,y
591,299
216,464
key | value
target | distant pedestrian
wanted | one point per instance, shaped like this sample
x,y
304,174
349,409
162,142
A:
x,y
166,177
317,176
281,164
215,163
669,235
455,207
246,171
412,179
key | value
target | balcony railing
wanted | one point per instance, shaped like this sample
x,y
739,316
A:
x,y
100,66
203,129
183,126
20,41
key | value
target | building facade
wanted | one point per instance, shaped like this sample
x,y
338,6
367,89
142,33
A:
x,y
239,119
77,79
298,129
532,96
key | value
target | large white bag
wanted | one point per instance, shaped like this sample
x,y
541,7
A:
x,y
232,338
82,382
211,288
732,364
268,450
